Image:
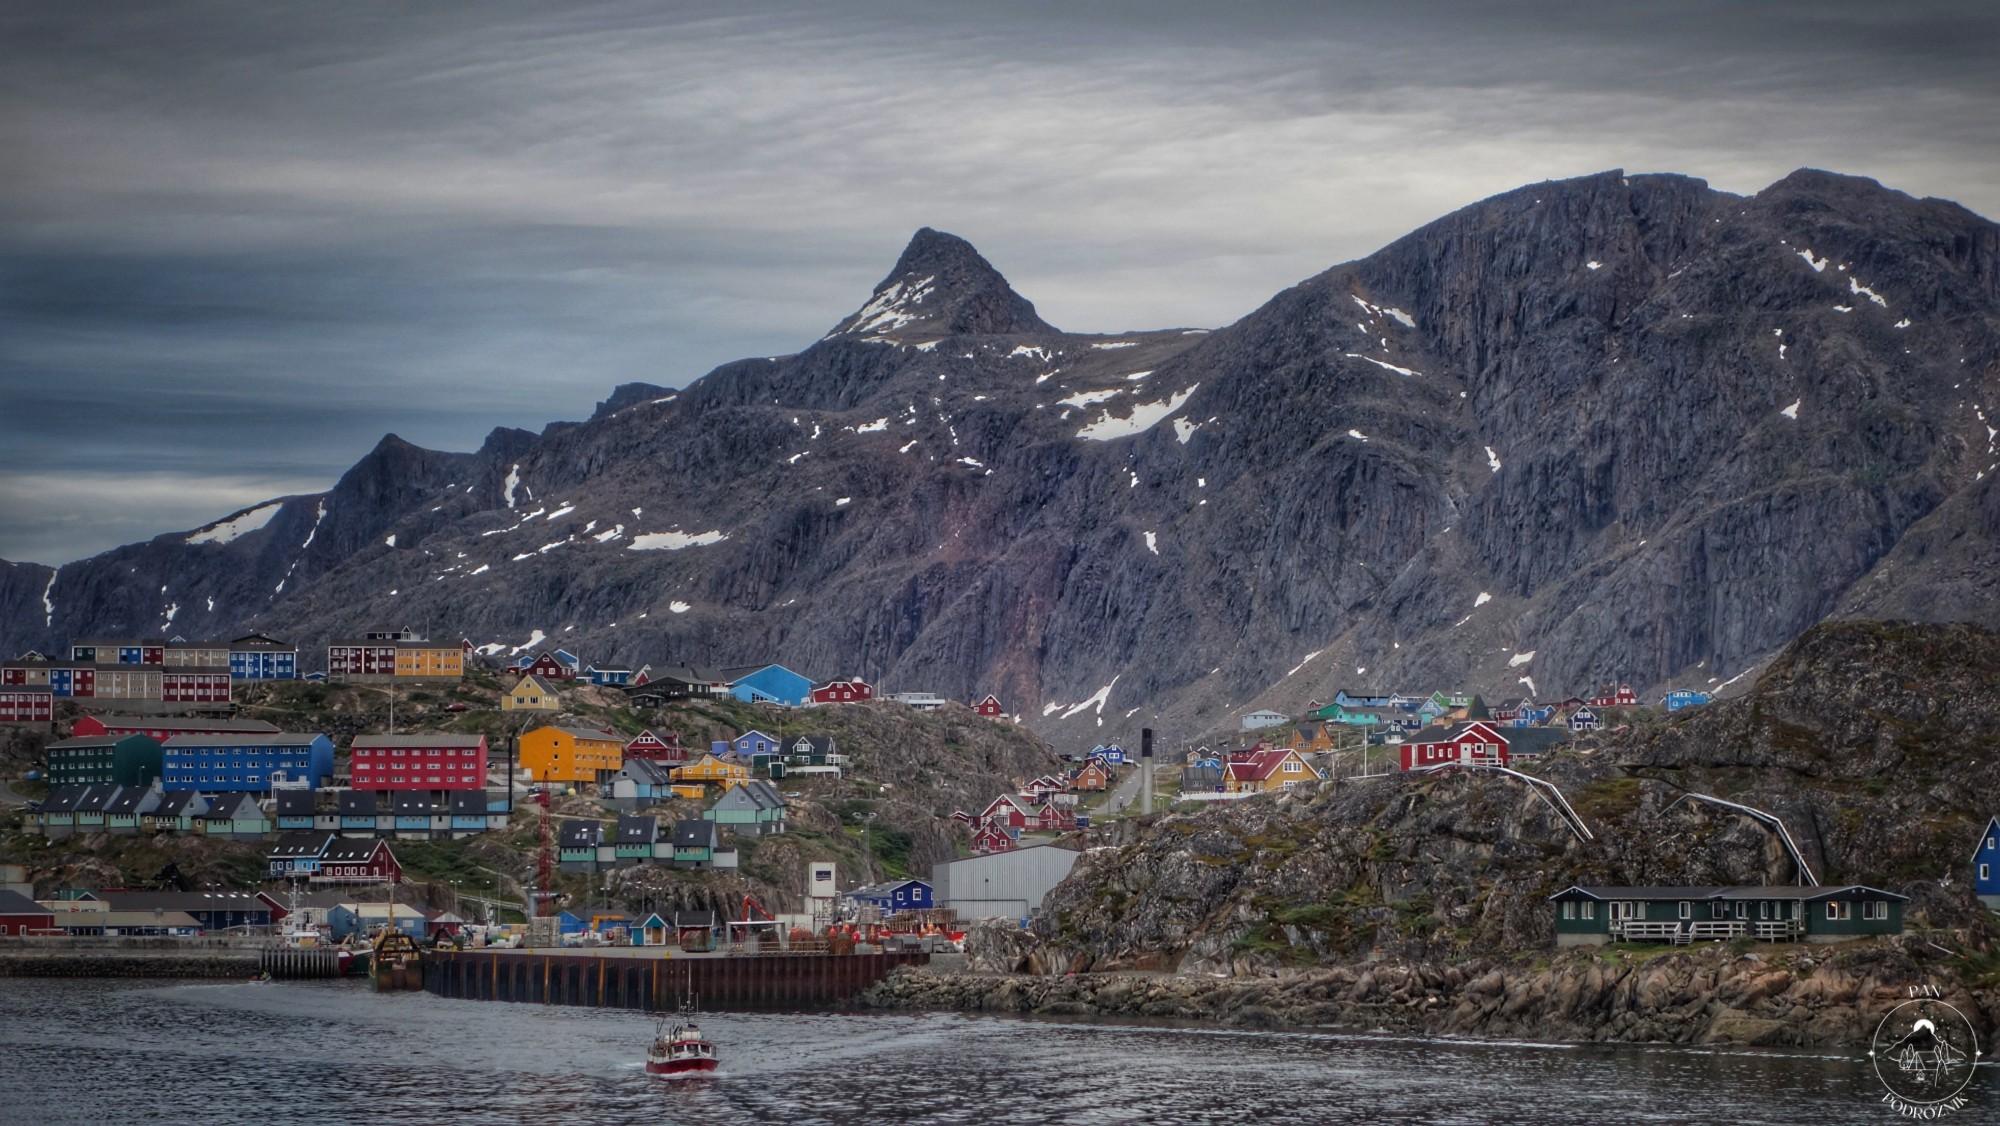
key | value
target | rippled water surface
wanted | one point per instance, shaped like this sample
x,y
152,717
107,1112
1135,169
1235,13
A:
x,y
84,1051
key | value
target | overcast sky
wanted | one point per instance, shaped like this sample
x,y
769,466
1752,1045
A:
x,y
241,241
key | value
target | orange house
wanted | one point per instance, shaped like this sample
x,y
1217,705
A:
x,y
424,660
1309,738
1091,776
570,754
709,770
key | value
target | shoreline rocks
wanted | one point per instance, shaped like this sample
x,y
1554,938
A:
x,y
1770,997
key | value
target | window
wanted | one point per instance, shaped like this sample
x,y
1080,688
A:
x,y
1985,870
1569,909
1687,909
1876,909
1836,910
1718,910
1586,910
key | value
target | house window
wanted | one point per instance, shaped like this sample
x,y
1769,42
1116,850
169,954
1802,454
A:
x,y
1718,910
1985,870
1837,910
1586,910
1687,909
1569,909
1742,910
1876,909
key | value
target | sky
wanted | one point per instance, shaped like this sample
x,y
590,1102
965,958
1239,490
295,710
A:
x,y
239,242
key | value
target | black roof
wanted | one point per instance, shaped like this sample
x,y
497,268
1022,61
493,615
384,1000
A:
x,y
466,802
294,845
172,802
694,918
1810,892
820,744
189,901
186,723
694,834
358,803
637,829
260,739
92,742
225,806
63,799
126,799
294,803
647,771
580,834
14,903
350,850
409,803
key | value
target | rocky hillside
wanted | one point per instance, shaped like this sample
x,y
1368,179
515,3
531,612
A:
x,y
1613,426
1873,742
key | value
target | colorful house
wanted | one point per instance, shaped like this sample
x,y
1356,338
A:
x,y
259,656
1007,811
246,763
769,684
1254,721
1592,916
747,746
1582,718
577,842
1363,700
1267,770
22,703
893,897
1091,777
531,693
989,706
128,760
695,844
547,666
163,728
637,834
853,690
1679,699
754,808
234,815
1620,696
22,916
710,770
1474,743
641,782
1986,866
175,813
646,745
418,762
992,837
124,810
571,754
616,678
673,684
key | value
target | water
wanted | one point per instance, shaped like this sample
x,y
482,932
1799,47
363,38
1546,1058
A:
x,y
96,1051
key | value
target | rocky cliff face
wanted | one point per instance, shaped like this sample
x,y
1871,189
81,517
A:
x,y
1872,742
1605,427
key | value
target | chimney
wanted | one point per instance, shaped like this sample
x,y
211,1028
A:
x,y
1146,769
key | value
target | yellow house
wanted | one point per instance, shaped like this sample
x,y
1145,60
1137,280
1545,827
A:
x,y
1308,738
570,754
693,791
1261,771
424,660
532,694
712,770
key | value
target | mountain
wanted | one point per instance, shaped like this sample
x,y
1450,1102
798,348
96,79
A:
x,y
1608,427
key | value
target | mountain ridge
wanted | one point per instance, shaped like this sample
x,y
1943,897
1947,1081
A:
x,y
1540,442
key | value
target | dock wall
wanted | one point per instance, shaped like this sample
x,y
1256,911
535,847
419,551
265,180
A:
x,y
655,983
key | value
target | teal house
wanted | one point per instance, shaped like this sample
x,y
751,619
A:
x,y
1592,916
755,807
122,760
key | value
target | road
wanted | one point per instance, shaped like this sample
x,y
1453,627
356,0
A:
x,y
1123,794
9,797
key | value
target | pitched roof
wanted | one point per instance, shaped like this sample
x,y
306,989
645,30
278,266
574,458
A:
x,y
694,834
1809,893
185,723
293,846
646,771
637,829
593,733
226,807
63,799
126,800
171,803
294,803
541,686
14,903
189,901
409,803
351,850
93,799
358,803
1259,765
580,834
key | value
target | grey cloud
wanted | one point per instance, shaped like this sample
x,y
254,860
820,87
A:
x,y
286,230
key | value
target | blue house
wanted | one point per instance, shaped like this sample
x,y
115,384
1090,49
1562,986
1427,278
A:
x,y
259,657
1986,866
1111,753
245,763
1353,700
295,809
1683,698
1583,719
770,684
751,744
614,678
568,923
894,896
1533,716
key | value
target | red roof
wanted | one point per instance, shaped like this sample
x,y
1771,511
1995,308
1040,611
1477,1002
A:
x,y
1257,765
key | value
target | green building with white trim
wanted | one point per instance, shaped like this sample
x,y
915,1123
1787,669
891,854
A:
x,y
1592,916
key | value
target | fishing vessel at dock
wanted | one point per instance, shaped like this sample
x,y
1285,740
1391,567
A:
x,y
681,1050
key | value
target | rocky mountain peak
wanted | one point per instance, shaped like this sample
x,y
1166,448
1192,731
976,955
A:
x,y
942,286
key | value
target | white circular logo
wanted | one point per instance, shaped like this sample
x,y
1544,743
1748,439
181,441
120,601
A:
x,y
1924,1052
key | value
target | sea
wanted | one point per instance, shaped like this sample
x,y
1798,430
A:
x,y
335,1052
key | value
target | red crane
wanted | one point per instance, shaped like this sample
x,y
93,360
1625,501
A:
x,y
545,861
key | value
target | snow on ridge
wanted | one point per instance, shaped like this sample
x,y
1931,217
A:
x,y
391,541
1032,351
479,570
872,427
1153,543
1593,264
616,532
1527,680
1183,429
535,638
1492,460
1482,600
1096,699
1115,344
1400,317
513,482
677,607
1304,661
242,524
674,540
1381,364
1792,412
48,601
843,502
1818,264
1519,659
1138,375
1143,417
1357,435
1090,398
565,510
1855,287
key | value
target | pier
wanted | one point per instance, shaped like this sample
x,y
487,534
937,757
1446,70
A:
x,y
647,980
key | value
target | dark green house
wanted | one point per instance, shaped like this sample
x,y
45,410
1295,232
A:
x,y
1590,916
112,760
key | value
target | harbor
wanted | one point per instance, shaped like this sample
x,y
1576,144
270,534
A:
x,y
636,978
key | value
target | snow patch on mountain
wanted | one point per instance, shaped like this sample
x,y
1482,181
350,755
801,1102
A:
x,y
1143,417
242,524
675,540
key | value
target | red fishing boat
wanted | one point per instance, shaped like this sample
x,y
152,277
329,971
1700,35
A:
x,y
681,1051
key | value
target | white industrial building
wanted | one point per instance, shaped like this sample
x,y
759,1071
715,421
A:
x,y
1007,885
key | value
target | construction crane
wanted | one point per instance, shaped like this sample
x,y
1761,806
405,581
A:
x,y
545,861
740,929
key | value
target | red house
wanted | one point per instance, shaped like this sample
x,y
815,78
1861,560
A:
x,y
21,915
990,837
1007,812
25,704
195,686
1473,743
418,762
1619,697
547,667
851,691
352,860
1050,817
652,748
990,707
163,728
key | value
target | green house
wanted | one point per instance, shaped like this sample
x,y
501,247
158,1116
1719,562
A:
x,y
1590,916
637,834
1335,713
694,844
117,760
755,807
